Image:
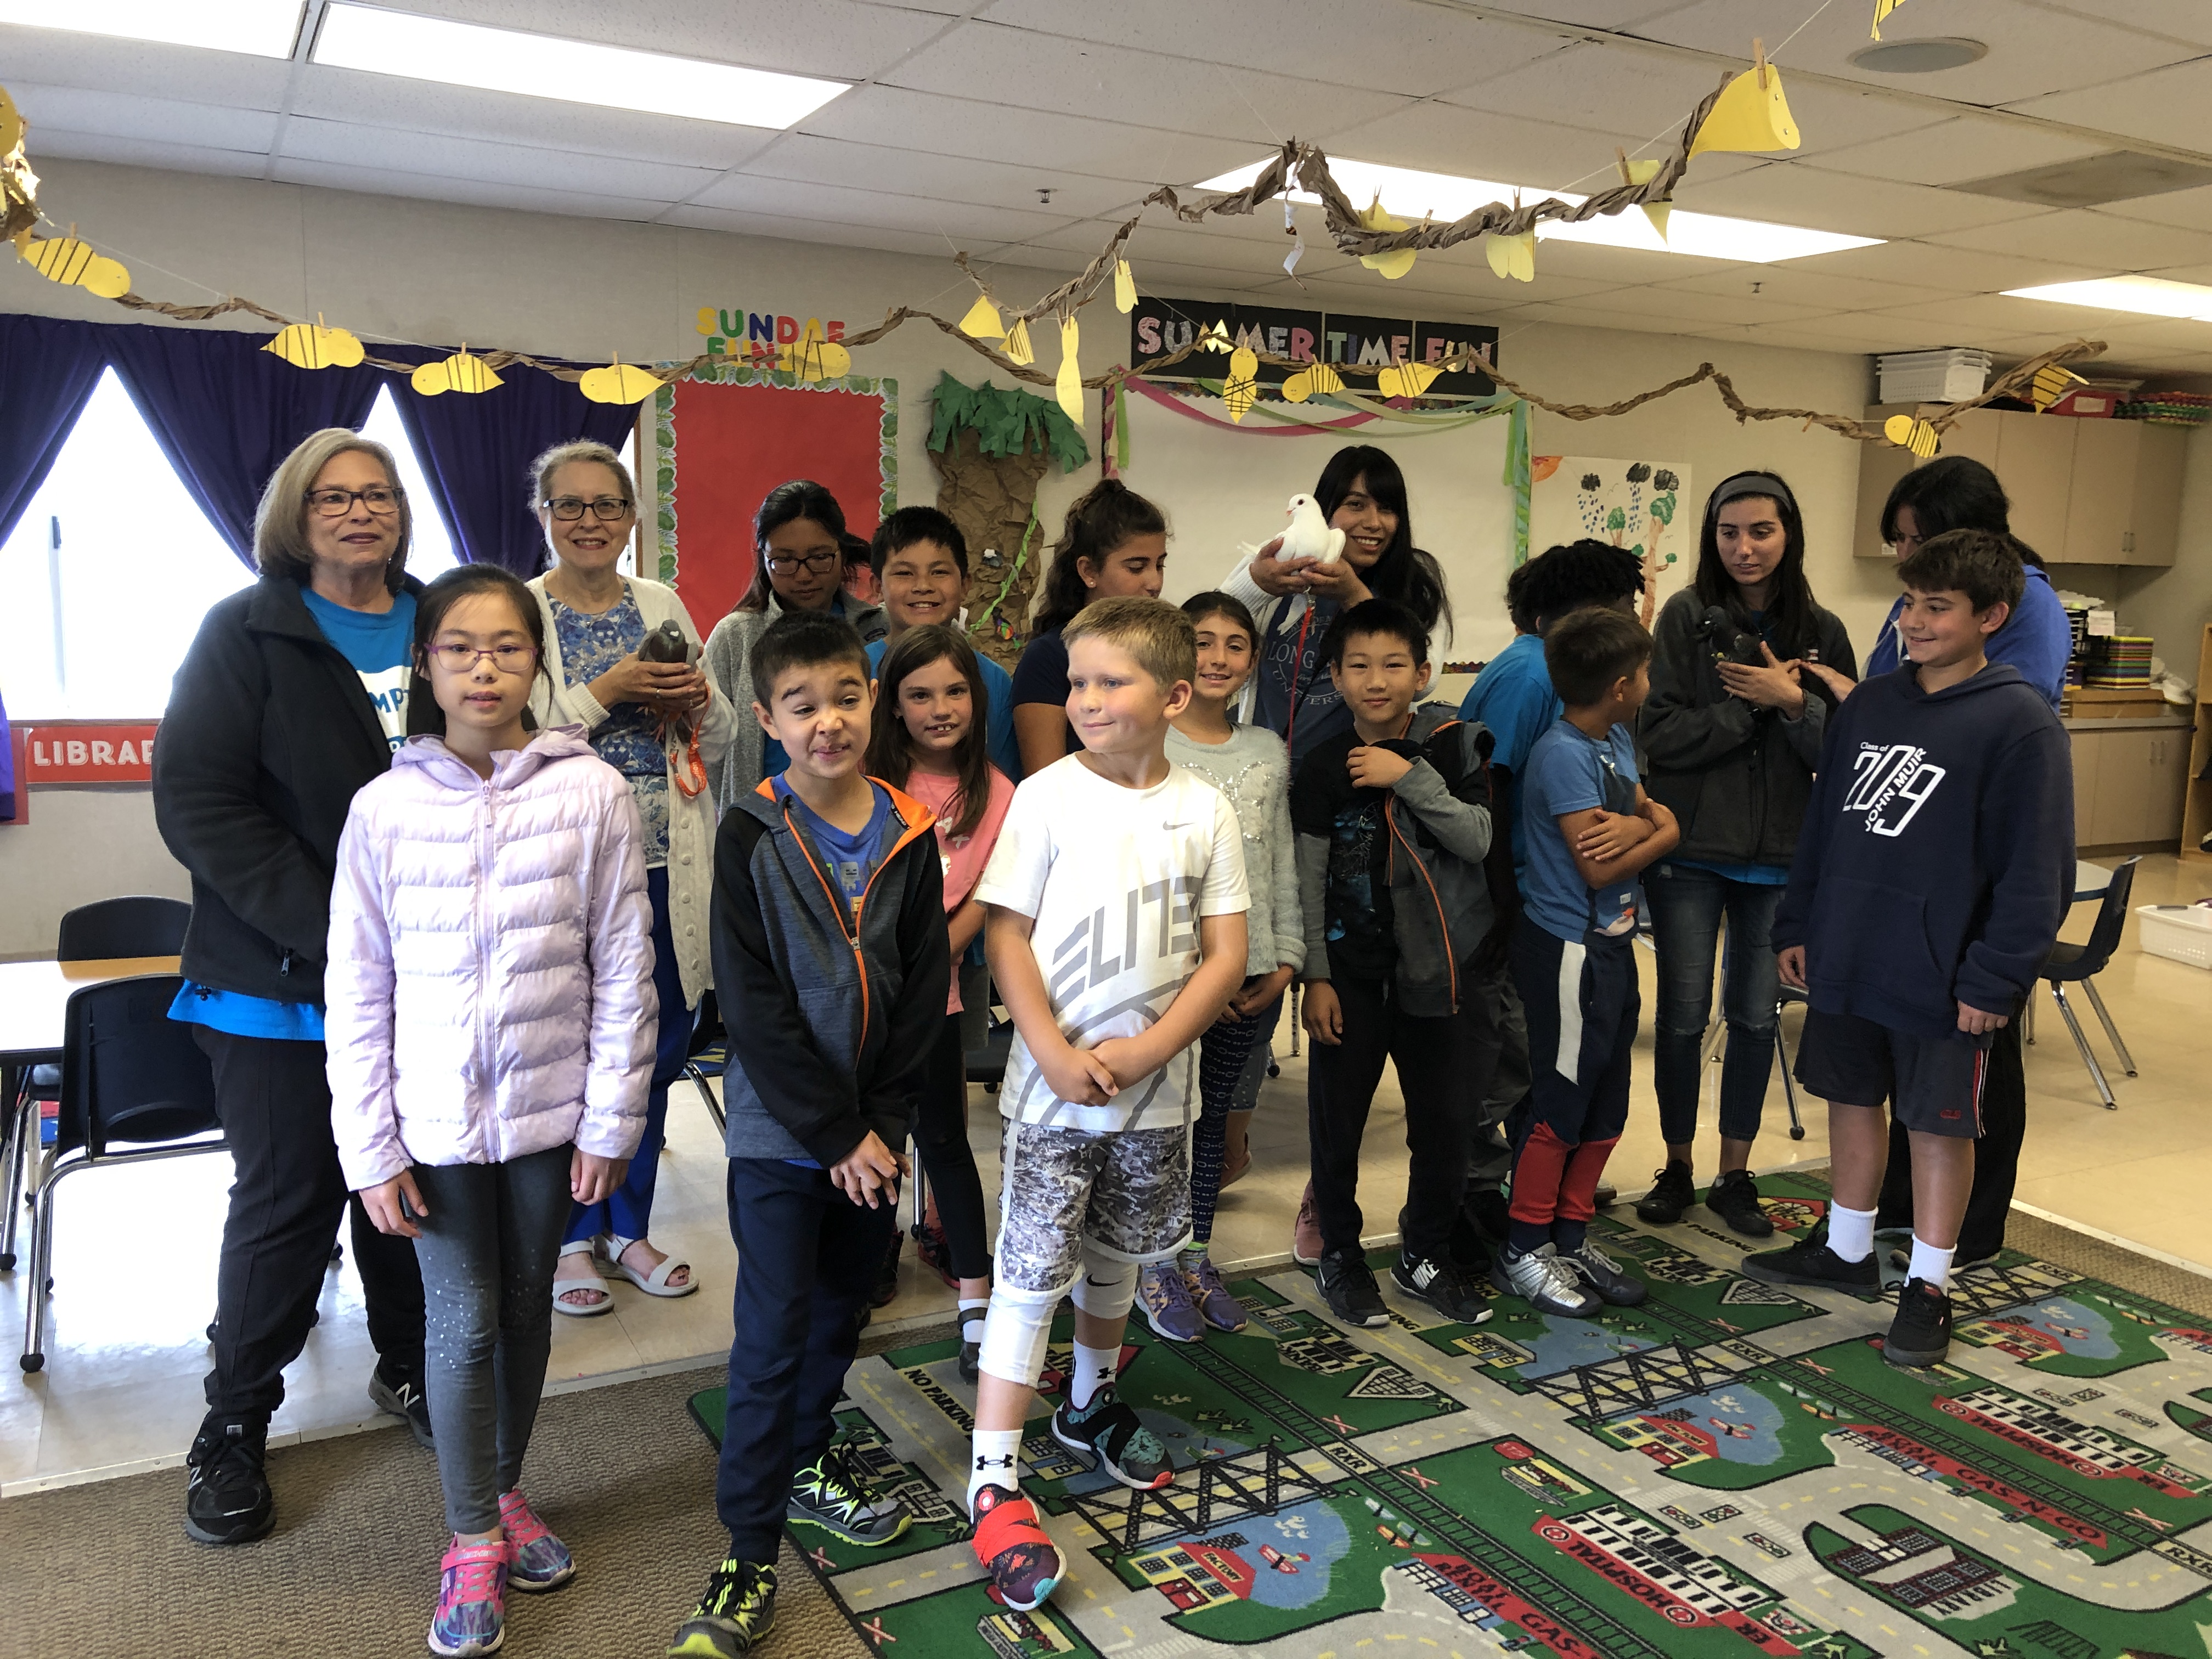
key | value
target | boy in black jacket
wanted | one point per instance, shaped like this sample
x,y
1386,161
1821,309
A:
x,y
1936,863
1394,828
830,960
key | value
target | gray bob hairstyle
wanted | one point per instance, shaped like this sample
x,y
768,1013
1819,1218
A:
x,y
580,450
280,523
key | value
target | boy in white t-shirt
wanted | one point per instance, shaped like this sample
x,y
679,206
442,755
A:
x,y
1116,934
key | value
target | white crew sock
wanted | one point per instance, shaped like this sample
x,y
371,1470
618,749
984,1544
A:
x,y
1094,1369
1931,1264
997,1462
1851,1233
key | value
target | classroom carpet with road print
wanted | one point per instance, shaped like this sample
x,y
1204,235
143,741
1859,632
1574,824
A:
x,y
1731,1466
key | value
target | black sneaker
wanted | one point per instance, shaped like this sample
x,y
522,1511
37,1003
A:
x,y
733,1618
1347,1284
390,1391
835,1497
1810,1262
1602,1274
227,1499
1734,1199
1109,1432
1673,1191
1444,1285
1920,1335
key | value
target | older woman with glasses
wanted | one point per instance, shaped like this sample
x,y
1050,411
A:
x,y
799,535
665,728
291,698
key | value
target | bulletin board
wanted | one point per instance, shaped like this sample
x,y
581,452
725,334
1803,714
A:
x,y
729,436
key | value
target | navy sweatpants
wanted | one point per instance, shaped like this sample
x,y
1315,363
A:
x,y
1582,1001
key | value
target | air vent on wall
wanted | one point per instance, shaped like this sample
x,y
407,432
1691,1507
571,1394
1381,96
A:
x,y
2116,176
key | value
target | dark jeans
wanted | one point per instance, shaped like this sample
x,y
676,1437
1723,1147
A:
x,y
627,1211
1444,1066
1687,905
488,1248
286,1196
807,1256
940,1139
1996,1154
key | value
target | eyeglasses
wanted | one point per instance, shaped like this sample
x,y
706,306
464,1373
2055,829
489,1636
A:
x,y
606,509
786,564
458,659
336,503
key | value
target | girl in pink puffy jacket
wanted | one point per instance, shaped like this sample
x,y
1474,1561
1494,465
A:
x,y
490,1035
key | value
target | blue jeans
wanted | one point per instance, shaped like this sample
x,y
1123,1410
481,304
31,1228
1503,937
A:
x,y
628,1211
1687,905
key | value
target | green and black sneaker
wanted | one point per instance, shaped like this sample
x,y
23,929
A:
x,y
733,1618
835,1496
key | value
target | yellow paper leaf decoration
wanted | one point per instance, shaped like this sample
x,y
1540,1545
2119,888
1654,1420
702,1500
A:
x,y
310,345
1512,256
1311,382
1067,386
618,383
459,372
1881,9
11,124
1241,390
66,259
1907,433
1643,173
2050,385
1018,342
1217,338
1125,286
1405,379
1749,116
982,322
1394,264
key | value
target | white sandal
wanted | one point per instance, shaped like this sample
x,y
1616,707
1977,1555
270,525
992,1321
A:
x,y
608,1249
583,1247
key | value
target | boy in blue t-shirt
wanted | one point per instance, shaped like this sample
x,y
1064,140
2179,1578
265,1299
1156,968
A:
x,y
1591,831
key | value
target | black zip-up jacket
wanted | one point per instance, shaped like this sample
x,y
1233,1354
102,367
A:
x,y
1736,776
268,738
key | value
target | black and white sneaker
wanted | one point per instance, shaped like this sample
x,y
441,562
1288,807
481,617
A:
x,y
1546,1281
1673,1189
226,1498
1733,1197
1920,1335
1444,1285
835,1496
1810,1262
1347,1284
402,1395
1604,1276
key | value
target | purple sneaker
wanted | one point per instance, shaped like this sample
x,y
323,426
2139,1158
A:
x,y
472,1615
536,1560
1165,1296
1220,1309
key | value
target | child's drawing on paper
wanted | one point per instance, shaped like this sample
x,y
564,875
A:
x,y
1630,504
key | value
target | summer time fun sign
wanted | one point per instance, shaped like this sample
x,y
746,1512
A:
x,y
1157,326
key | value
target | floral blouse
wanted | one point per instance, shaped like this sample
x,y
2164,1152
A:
x,y
626,739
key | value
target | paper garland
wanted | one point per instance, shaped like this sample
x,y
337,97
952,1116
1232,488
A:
x,y
65,259
1907,433
1242,389
311,345
1881,9
459,372
1067,386
618,383
1125,287
1750,115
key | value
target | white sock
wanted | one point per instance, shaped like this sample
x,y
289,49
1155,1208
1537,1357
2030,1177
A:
x,y
1931,1263
1851,1233
997,1462
1094,1369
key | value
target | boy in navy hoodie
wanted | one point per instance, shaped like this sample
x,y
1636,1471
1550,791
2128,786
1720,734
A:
x,y
1936,863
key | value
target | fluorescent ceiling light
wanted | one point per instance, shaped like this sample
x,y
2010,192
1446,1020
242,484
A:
x,y
267,28
1409,193
579,71
2153,296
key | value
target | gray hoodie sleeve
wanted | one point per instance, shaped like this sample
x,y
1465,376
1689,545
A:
x,y
1313,904
1463,828
1289,912
728,659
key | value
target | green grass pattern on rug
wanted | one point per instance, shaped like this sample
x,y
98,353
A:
x,y
1731,1465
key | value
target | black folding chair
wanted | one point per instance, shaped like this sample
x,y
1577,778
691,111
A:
x,y
705,1032
131,1078
1785,995
2077,965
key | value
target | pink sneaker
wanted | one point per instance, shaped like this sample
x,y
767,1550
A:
x,y
536,1560
1305,1237
471,1616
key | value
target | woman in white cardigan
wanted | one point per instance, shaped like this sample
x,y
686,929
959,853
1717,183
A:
x,y
665,727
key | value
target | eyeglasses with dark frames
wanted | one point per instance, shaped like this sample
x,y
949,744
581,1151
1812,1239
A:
x,y
335,503
607,509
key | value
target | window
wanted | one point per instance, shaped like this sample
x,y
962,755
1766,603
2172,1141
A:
x,y
113,564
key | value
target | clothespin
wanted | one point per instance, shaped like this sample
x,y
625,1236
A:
x,y
1621,155
1759,58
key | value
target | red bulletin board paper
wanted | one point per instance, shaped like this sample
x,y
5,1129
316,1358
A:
x,y
729,445
87,752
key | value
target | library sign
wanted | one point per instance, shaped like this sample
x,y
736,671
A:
x,y
87,752
1326,337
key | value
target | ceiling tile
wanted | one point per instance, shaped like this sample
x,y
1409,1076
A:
x,y
1831,118
142,153
1790,283
1047,72
2185,19
1869,332
475,192
2190,209
1595,262
1439,136
1996,315
1951,151
747,193
2087,235
828,232
1803,193
1597,316
55,58
1585,84
2165,105
950,178
53,110
1590,14
1925,264
1734,309
401,151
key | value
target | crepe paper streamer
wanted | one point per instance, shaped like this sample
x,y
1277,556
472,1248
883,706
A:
x,y
1393,265
982,322
1121,423
1067,385
1125,287
1291,260
1242,389
1018,350
459,372
1519,475
311,345
1750,115
1405,379
65,259
618,383
1311,382
1906,433
1881,9
1512,256
2048,385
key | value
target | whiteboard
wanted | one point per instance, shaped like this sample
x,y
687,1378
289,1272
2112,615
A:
x,y
1218,489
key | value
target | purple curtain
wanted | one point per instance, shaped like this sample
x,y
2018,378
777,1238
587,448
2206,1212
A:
x,y
48,367
227,413
476,450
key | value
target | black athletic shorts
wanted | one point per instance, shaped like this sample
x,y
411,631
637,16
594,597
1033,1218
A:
x,y
1933,1085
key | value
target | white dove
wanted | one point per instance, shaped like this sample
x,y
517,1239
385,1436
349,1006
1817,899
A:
x,y
1309,536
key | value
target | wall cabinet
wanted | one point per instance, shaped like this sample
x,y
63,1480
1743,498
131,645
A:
x,y
2083,491
2129,783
